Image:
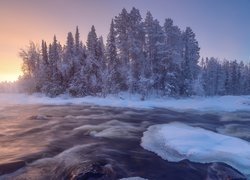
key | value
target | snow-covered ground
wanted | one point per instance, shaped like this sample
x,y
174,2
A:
x,y
217,104
176,141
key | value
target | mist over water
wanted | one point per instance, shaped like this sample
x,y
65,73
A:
x,y
92,142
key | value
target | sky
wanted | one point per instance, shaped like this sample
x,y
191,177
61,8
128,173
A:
x,y
222,27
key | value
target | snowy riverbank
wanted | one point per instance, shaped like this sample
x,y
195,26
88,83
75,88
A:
x,y
217,103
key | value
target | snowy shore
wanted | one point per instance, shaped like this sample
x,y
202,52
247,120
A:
x,y
215,104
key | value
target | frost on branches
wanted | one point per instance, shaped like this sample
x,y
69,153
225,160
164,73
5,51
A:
x,y
141,56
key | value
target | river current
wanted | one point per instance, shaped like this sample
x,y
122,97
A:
x,y
81,142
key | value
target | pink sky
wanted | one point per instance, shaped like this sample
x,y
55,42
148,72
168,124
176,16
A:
x,y
222,28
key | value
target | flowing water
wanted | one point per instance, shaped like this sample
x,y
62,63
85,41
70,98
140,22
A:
x,y
90,142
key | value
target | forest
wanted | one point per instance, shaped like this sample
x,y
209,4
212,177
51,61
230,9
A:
x,y
140,56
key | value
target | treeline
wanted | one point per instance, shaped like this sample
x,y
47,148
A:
x,y
140,56
9,87
224,77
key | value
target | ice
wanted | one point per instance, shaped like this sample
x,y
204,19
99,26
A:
x,y
216,104
176,141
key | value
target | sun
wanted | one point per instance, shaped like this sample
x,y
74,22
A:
x,y
9,77
10,69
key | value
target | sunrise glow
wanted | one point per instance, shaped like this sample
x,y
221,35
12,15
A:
x,y
124,89
28,20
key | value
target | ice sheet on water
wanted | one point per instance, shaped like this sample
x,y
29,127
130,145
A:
x,y
177,141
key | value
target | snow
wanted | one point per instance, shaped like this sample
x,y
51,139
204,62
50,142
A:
x,y
176,141
216,104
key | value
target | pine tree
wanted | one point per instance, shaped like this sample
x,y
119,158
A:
x,y
150,43
247,81
150,55
243,75
77,41
67,67
235,77
189,66
160,62
45,70
135,48
102,72
121,30
78,83
226,71
113,69
92,42
213,77
174,47
55,87
92,64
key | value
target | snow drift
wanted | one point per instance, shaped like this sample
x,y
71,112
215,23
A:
x,y
175,142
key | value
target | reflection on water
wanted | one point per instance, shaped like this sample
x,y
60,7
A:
x,y
90,142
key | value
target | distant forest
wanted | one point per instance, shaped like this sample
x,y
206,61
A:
x,y
141,56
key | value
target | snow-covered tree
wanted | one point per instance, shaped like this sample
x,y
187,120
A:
x,y
93,63
102,73
114,76
55,86
135,48
45,72
121,30
30,67
174,47
213,77
189,65
150,40
159,63
77,42
140,56
67,66
78,83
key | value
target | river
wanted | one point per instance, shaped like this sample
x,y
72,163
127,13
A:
x,y
80,142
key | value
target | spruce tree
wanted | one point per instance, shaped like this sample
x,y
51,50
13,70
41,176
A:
x,y
92,63
114,75
189,66
121,29
174,48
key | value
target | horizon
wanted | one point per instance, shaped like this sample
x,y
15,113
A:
x,y
222,31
